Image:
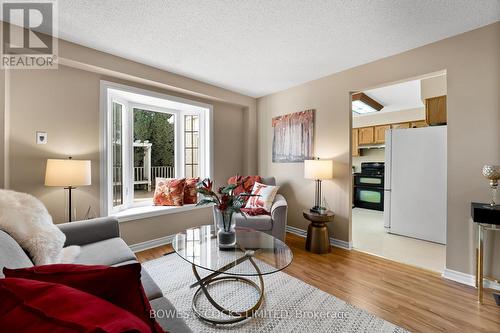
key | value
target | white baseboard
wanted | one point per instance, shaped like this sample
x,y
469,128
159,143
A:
x,y
151,243
296,231
459,277
491,284
333,241
340,243
468,279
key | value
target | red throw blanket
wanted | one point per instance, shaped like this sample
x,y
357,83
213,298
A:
x,y
255,211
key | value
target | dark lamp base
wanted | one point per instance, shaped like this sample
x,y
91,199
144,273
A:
x,y
318,210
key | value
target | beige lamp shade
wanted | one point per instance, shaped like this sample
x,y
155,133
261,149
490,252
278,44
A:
x,y
67,173
318,169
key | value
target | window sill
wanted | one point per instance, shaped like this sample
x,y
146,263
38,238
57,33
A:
x,y
138,213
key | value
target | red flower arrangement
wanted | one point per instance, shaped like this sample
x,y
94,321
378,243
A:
x,y
226,201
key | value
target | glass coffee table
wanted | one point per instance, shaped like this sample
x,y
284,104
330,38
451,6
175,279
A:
x,y
255,254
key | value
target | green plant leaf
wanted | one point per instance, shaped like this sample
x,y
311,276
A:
x,y
202,190
238,204
229,188
207,201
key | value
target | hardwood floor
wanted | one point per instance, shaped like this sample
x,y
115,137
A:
x,y
415,299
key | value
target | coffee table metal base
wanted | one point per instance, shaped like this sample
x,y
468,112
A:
x,y
213,279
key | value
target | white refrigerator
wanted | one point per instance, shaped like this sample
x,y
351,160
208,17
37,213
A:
x,y
415,183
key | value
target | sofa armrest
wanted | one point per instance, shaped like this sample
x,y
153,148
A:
x,y
279,204
279,211
90,231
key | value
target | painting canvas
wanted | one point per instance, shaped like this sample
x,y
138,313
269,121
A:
x,y
293,137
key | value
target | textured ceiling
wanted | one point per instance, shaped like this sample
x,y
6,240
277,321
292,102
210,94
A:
x,y
257,47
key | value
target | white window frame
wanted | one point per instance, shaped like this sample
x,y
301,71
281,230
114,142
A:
x,y
205,151
202,151
109,153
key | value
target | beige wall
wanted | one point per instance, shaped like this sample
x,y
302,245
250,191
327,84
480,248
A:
x,y
134,232
433,87
65,103
472,63
383,118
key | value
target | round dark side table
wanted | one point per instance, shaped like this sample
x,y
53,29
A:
x,y
318,240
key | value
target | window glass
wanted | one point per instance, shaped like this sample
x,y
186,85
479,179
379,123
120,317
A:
x,y
191,145
195,156
187,123
370,196
370,180
188,140
196,126
195,139
153,151
117,154
189,170
189,157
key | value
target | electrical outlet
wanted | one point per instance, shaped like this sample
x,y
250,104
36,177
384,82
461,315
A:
x,y
41,138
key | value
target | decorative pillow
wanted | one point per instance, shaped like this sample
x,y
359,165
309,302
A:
x,y
263,196
42,307
246,184
190,194
169,192
26,220
118,285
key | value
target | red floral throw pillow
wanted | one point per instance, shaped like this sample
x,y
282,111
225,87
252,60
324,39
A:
x,y
169,192
246,185
118,285
43,307
190,194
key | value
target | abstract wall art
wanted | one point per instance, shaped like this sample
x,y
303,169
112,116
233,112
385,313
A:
x,y
293,137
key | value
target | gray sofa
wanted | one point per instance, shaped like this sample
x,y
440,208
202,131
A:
x,y
274,224
100,245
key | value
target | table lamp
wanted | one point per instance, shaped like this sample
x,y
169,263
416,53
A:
x,y
318,170
68,174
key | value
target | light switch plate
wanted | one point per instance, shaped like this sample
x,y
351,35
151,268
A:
x,y
41,138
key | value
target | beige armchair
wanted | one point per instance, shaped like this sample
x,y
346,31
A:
x,y
274,224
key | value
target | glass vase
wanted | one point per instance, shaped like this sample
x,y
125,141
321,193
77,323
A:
x,y
224,226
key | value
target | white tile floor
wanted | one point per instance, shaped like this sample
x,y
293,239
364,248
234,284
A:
x,y
368,235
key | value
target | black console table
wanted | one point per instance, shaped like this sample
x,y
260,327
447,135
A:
x,y
486,218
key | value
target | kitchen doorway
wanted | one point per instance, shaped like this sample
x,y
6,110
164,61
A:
x,y
399,171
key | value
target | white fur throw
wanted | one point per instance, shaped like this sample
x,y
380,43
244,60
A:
x,y
26,219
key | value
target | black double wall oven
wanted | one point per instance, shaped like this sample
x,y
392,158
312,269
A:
x,y
369,186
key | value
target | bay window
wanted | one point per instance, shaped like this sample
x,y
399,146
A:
x,y
146,135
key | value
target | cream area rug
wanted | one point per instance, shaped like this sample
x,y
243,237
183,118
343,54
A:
x,y
290,305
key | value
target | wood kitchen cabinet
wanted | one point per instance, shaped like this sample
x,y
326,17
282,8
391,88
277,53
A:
x,y
355,142
435,110
417,124
380,133
370,135
400,125
366,136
